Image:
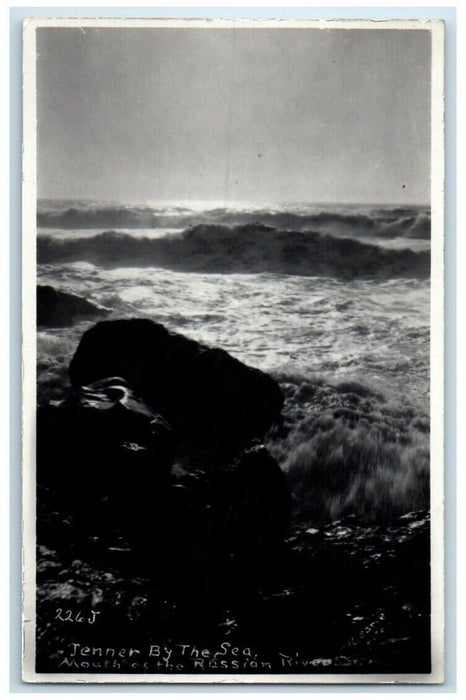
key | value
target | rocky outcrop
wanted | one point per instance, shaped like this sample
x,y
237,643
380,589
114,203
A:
x,y
236,512
206,394
57,309
103,458
160,438
252,501
152,468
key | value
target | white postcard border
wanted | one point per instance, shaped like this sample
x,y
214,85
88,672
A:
x,y
29,352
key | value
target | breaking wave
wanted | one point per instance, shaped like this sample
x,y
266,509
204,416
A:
x,y
347,449
248,248
410,222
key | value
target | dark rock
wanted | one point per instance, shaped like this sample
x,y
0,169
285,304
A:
x,y
103,458
252,502
237,511
56,308
205,393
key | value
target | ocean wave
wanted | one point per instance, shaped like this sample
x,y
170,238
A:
x,y
418,226
411,222
248,248
347,449
97,217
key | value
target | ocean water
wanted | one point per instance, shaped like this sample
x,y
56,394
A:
x,y
331,301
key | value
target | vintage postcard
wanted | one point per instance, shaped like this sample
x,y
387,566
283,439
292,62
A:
x,y
233,351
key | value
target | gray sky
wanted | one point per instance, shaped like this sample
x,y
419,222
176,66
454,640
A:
x,y
269,115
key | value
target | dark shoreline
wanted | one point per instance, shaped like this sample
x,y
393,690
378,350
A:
x,y
203,556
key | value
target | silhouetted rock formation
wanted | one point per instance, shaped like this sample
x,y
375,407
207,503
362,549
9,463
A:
x,y
104,457
56,308
252,502
205,393
111,459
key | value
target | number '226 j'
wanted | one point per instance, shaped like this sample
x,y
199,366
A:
x,y
78,616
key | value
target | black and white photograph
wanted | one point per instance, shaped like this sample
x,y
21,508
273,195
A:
x,y
233,284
